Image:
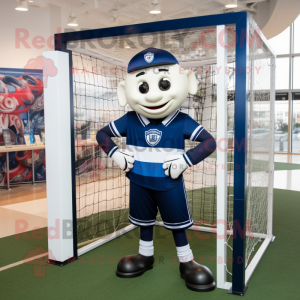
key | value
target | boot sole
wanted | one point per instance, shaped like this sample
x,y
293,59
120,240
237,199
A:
x,y
199,287
134,274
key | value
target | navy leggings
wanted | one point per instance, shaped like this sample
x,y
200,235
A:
x,y
146,234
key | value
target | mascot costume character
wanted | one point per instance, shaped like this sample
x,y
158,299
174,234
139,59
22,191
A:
x,y
154,160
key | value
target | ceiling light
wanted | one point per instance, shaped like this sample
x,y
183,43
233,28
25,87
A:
x,y
30,1
72,20
21,5
155,7
114,14
231,3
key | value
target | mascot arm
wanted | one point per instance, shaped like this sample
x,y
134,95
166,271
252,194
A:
x,y
195,132
104,140
206,147
116,128
175,165
123,158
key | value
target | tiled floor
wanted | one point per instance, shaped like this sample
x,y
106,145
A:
x,y
34,207
23,193
26,205
12,222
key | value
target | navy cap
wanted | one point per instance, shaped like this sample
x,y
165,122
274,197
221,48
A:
x,y
151,57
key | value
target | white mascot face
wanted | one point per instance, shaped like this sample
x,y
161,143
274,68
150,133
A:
x,y
158,91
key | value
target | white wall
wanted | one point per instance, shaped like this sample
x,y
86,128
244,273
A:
x,y
272,17
36,22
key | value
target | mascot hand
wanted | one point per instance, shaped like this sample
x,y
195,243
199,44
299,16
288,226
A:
x,y
174,166
124,159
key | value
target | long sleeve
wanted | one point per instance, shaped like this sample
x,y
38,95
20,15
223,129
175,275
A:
x,y
116,128
206,147
104,140
195,132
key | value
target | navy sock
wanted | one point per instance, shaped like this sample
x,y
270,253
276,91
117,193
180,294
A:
x,y
180,237
146,233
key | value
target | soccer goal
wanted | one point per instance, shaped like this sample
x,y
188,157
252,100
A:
x,y
230,193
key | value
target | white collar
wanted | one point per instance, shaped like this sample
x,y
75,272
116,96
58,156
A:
x,y
166,121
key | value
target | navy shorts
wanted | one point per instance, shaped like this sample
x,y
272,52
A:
x,y
172,204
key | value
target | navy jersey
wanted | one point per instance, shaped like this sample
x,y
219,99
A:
x,y
151,143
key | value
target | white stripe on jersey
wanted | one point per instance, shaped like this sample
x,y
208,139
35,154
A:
x,y
143,120
115,129
194,133
187,158
169,117
110,152
198,134
151,154
139,117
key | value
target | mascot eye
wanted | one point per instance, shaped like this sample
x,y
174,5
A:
x,y
164,84
143,87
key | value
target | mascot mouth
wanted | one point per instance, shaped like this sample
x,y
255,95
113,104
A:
x,y
156,107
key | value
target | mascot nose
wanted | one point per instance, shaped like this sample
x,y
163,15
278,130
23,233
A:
x,y
154,96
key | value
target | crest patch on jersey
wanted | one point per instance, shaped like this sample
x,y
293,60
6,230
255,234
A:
x,y
149,57
153,136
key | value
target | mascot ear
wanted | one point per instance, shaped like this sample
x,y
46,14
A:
x,y
121,93
193,86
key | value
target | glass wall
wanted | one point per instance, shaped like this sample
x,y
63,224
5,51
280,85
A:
x,y
296,123
297,34
281,42
287,105
296,69
282,73
281,122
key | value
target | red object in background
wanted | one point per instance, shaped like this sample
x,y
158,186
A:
x,y
19,95
17,174
24,157
16,93
36,85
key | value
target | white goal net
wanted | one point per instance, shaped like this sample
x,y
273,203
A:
x,y
102,190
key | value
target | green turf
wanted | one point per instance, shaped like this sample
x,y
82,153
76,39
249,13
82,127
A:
x,y
93,277
100,224
15,247
286,166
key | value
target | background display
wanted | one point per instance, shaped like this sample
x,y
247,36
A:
x,y
22,113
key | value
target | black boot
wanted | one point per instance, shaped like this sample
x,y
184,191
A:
x,y
198,278
134,265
